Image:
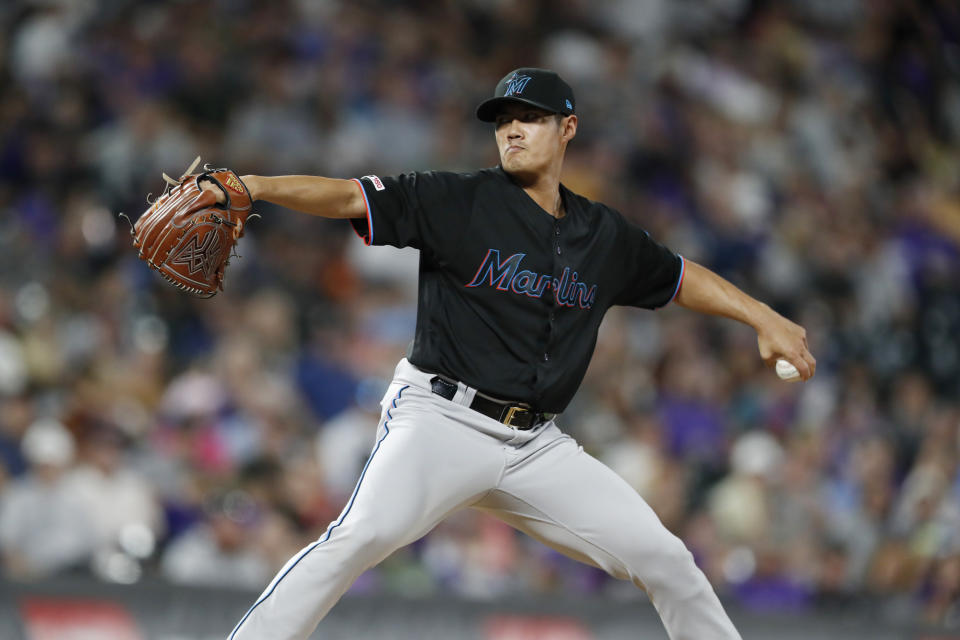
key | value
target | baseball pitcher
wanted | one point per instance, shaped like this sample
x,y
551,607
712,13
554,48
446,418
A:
x,y
516,273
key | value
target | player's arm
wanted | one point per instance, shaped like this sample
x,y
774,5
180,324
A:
x,y
318,196
777,337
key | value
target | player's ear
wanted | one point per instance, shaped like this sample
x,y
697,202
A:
x,y
568,128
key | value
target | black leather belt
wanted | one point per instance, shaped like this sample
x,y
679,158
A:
x,y
517,415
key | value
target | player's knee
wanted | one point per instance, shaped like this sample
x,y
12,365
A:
x,y
679,557
676,556
673,568
659,561
374,539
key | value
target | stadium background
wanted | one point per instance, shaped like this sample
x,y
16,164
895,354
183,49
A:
x,y
805,150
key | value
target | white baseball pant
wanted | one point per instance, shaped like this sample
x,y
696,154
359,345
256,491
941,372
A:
x,y
433,456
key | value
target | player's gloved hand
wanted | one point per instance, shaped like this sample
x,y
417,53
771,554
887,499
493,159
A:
x,y
188,234
778,337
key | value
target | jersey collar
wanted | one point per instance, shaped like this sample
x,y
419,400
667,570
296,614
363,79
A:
x,y
569,205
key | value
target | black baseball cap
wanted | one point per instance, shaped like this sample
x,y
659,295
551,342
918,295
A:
x,y
538,87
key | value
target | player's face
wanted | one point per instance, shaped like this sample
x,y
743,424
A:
x,y
531,140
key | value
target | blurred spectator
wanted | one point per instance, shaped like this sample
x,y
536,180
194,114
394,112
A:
x,y
741,503
219,550
117,499
45,525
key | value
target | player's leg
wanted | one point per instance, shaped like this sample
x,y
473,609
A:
x,y
421,469
567,499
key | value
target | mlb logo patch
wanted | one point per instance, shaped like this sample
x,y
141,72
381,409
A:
x,y
377,182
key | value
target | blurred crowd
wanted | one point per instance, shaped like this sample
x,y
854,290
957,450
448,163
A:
x,y
807,150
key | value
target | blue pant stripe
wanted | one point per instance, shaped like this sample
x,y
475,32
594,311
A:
x,y
303,554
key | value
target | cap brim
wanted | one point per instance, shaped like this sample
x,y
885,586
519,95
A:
x,y
488,109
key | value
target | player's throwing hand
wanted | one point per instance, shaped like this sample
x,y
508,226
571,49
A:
x,y
779,338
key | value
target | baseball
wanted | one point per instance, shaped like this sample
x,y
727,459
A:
x,y
787,371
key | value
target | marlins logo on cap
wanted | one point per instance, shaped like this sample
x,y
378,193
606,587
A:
x,y
516,84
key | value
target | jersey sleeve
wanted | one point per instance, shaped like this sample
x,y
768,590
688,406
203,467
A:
x,y
651,274
419,210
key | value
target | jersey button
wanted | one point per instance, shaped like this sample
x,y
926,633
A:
x,y
546,357
558,249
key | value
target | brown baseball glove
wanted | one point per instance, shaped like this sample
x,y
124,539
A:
x,y
187,236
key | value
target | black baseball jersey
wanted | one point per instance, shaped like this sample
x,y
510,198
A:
x,y
511,298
